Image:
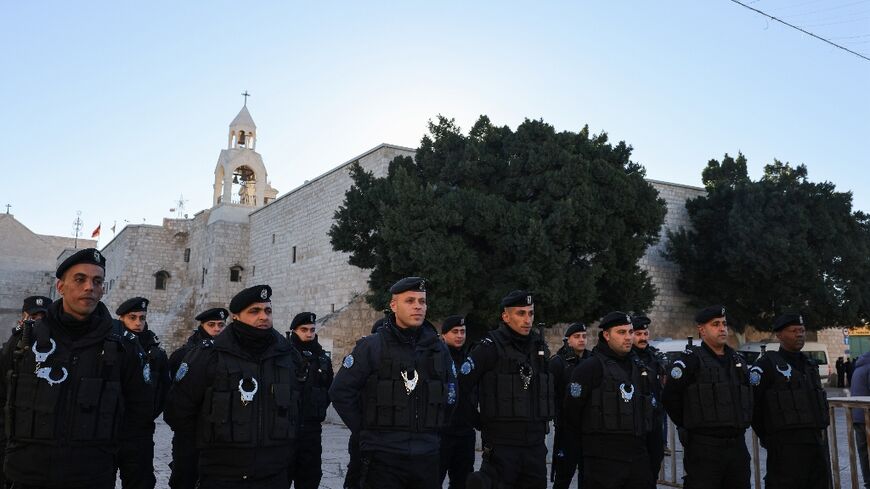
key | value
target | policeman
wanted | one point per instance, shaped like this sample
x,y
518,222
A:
x,y
315,375
657,363
240,395
73,375
567,450
185,456
457,439
610,400
35,307
791,411
509,367
708,396
394,389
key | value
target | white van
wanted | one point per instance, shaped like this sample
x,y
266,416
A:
x,y
816,351
671,347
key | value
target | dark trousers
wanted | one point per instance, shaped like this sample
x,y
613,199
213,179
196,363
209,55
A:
x,y
606,473
797,466
354,465
515,467
185,461
305,467
716,463
395,471
457,458
136,463
277,481
861,443
567,459
655,447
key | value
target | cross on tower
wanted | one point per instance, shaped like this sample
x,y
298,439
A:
x,y
246,95
7,208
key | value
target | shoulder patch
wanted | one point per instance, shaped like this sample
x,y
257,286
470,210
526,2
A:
x,y
348,361
680,363
453,369
182,371
575,390
676,373
754,377
467,366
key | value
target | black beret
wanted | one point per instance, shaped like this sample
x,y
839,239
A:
x,y
216,314
87,255
709,313
517,298
135,304
640,322
615,318
257,293
575,328
35,303
409,283
451,322
787,320
303,318
377,325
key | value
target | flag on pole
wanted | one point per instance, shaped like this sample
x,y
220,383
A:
x,y
96,233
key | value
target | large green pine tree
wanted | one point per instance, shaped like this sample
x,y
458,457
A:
x,y
779,244
566,215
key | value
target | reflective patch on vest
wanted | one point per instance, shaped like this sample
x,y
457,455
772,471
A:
x,y
653,401
575,390
451,393
754,378
560,454
676,373
348,361
453,369
467,366
182,371
146,373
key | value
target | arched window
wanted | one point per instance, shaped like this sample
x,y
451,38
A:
x,y
236,273
160,280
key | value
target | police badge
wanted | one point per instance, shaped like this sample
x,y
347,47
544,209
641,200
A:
x,y
575,390
182,371
754,378
467,366
348,361
676,373
146,373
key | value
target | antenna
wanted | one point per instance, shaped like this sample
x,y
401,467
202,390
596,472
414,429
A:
x,y
77,228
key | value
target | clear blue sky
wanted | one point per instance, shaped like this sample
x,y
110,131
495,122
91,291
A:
x,y
117,108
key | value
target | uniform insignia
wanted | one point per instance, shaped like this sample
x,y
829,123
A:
x,y
221,314
247,396
467,366
529,300
653,401
575,390
451,393
39,301
348,361
754,378
96,255
676,373
453,369
680,363
144,304
264,294
800,318
628,319
625,393
410,382
312,319
182,371
786,372
146,373
723,311
423,286
45,373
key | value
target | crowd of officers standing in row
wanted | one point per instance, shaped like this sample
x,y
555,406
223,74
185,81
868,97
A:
x,y
81,392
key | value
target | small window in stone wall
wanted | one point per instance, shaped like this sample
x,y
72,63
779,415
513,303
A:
x,y
160,280
202,282
294,255
186,255
273,239
254,271
236,273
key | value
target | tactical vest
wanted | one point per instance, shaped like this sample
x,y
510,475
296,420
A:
x,y
387,403
795,401
622,404
315,393
268,419
83,409
721,396
519,388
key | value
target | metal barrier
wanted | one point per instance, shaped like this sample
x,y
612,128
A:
x,y
671,474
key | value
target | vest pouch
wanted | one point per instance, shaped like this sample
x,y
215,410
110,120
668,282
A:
x,y
219,418
19,408
45,407
384,403
745,414
281,422
401,413
725,409
546,397
242,416
504,402
434,408
86,412
522,406
611,411
488,396
110,412
705,399
319,402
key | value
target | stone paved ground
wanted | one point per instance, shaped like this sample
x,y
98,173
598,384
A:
x,y
335,437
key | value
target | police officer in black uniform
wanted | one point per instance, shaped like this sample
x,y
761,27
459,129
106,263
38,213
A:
x,y
708,396
185,456
656,362
240,395
509,367
315,374
136,454
73,374
567,453
394,389
34,308
610,400
457,439
791,411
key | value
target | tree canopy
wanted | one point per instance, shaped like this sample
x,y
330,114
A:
x,y
563,214
776,245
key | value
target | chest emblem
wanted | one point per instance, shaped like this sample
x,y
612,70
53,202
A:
x,y
43,356
786,372
676,373
626,393
45,373
467,366
575,390
410,383
146,373
526,374
754,378
247,396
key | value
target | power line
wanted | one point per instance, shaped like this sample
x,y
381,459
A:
x,y
802,30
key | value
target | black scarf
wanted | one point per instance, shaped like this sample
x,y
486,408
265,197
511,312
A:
x,y
76,328
253,340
